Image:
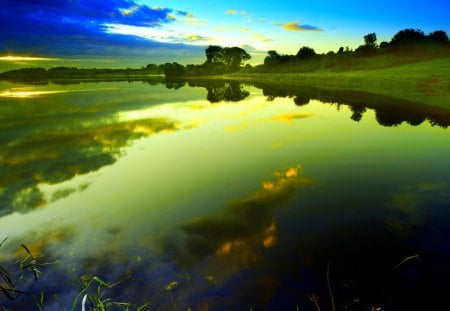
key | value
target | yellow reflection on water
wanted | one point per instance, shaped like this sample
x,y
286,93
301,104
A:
x,y
247,224
21,93
12,58
289,117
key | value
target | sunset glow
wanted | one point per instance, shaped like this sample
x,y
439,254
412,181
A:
x,y
147,31
11,58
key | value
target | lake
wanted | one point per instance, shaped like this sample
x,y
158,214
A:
x,y
216,195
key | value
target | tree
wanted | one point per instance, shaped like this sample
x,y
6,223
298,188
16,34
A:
x,y
370,39
174,70
151,67
305,52
229,59
213,54
272,59
384,45
438,36
234,57
408,36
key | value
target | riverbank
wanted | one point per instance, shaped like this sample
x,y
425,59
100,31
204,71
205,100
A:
x,y
425,82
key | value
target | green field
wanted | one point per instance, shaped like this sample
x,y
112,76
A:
x,y
426,82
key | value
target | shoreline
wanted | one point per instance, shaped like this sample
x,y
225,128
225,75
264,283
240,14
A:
x,y
426,83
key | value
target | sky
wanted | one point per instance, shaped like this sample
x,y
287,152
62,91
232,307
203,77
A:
x,y
121,33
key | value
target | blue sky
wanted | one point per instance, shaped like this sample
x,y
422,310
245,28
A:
x,y
137,32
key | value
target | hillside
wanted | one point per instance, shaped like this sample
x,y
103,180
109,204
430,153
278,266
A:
x,y
425,82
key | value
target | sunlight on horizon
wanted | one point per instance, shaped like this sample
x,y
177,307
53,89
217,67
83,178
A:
x,y
16,58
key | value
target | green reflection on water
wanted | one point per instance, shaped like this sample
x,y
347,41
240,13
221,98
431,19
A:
x,y
173,170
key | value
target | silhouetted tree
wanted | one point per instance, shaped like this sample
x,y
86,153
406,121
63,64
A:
x,y
273,59
438,36
174,70
305,52
384,45
151,67
213,54
219,60
176,84
231,91
358,111
407,36
370,39
301,100
234,57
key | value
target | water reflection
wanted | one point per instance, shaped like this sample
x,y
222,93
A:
x,y
24,93
243,227
236,238
412,206
389,111
53,145
179,218
219,90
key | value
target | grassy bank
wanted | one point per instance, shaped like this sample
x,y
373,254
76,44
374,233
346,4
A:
x,y
426,82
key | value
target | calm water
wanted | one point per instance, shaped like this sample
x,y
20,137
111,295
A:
x,y
220,196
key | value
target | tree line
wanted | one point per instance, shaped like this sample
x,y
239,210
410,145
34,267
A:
x,y
407,42
222,60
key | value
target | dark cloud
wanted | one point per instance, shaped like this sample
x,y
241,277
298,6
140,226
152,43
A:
x,y
84,12
184,13
77,27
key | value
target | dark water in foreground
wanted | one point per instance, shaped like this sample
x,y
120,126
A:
x,y
220,196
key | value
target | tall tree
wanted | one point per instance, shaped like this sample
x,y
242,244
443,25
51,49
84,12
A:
x,y
234,57
370,39
213,54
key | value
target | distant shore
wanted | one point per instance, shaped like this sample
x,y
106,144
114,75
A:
x,y
425,82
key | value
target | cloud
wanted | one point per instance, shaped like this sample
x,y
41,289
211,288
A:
x,y
197,38
261,37
235,12
185,14
190,18
79,27
295,26
231,12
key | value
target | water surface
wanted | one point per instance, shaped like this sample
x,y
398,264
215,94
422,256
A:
x,y
216,195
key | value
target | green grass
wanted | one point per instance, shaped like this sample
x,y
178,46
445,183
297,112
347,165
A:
x,y
426,82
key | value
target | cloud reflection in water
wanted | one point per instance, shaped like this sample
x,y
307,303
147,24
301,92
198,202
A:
x,y
242,228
